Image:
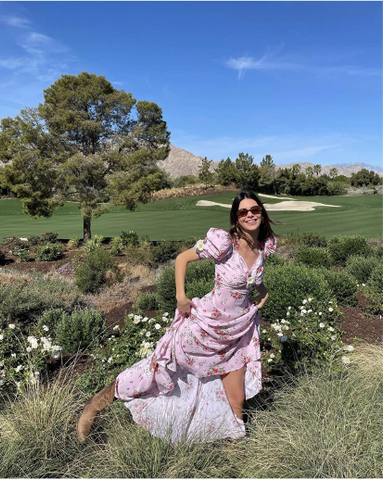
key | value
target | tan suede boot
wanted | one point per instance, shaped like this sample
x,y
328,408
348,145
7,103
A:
x,y
92,407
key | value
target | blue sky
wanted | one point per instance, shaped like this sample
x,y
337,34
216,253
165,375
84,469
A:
x,y
301,81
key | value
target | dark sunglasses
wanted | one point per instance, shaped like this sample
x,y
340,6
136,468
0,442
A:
x,y
243,212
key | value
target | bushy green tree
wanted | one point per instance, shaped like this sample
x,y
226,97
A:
x,y
247,173
226,172
87,142
365,177
268,175
205,174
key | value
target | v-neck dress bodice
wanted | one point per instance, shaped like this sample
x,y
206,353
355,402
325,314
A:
x,y
220,335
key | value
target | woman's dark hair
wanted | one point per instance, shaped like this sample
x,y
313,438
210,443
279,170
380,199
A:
x,y
265,228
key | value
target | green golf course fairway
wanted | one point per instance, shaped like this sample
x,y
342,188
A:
x,y
180,217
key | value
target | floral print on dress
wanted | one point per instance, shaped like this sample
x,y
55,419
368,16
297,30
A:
x,y
220,335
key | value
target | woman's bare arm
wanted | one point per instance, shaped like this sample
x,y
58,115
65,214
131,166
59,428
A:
x,y
262,298
184,304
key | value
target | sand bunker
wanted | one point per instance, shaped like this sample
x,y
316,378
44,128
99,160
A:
x,y
286,205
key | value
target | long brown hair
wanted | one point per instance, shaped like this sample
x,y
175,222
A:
x,y
236,231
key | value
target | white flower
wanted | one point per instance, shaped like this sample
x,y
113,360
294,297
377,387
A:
x,y
28,349
309,299
287,314
345,360
19,368
283,321
304,302
321,325
270,360
330,309
13,355
272,355
136,319
157,326
286,327
330,302
331,329
268,339
349,348
301,307
165,314
264,331
333,337
110,360
199,245
320,313
148,334
116,327
363,284
279,334
304,310
11,326
289,308
1,337
45,328
309,311
250,281
145,319
301,314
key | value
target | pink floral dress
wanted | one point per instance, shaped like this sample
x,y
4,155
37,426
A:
x,y
177,393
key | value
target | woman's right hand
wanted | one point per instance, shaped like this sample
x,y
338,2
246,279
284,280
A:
x,y
184,305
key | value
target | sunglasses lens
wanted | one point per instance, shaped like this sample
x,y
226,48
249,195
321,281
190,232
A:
x,y
242,213
255,210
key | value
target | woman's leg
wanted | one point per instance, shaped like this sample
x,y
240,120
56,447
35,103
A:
x,y
234,388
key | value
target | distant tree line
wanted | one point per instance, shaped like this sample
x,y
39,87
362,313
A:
x,y
266,178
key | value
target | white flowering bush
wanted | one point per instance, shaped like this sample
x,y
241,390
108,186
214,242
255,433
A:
x,y
128,345
23,357
308,335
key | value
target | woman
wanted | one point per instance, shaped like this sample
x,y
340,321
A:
x,y
208,362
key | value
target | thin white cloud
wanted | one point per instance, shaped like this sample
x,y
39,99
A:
x,y
266,62
13,21
119,84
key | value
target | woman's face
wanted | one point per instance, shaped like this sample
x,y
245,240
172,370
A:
x,y
252,220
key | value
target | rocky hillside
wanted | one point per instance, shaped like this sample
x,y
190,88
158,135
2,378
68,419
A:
x,y
180,162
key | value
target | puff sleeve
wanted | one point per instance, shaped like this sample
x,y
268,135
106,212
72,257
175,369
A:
x,y
217,245
269,246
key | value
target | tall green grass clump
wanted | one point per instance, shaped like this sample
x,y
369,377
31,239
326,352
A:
x,y
38,433
327,426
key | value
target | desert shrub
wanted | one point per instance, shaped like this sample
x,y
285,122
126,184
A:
x,y
165,251
94,244
18,248
22,254
305,238
50,319
130,239
342,285
187,243
344,246
25,297
373,291
199,280
34,240
49,237
274,260
145,242
288,285
185,180
49,252
312,256
336,188
146,301
116,245
90,274
378,251
139,256
80,329
307,337
360,267
22,357
73,243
